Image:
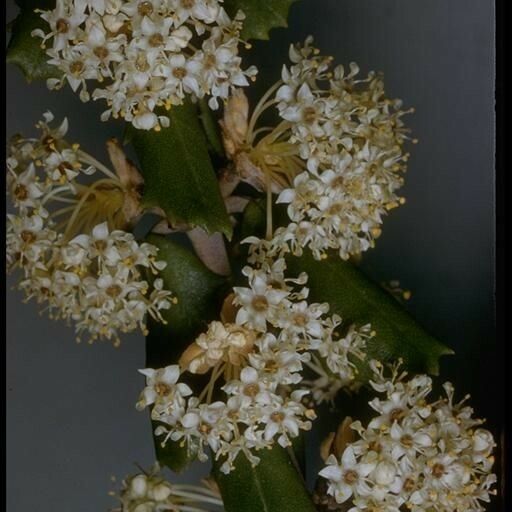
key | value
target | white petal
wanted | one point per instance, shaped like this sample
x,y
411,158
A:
x,y
100,232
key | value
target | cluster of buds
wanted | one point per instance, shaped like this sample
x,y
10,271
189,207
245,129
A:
x,y
151,492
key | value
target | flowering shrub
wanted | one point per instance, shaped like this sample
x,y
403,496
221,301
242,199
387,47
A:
x,y
232,244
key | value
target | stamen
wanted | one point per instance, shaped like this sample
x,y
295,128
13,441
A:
x,y
88,159
258,110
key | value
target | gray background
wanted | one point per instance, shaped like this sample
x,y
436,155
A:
x,y
71,421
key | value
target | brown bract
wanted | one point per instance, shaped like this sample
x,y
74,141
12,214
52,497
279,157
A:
x,y
335,443
131,181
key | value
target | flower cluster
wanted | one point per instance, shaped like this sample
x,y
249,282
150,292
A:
x,y
272,302
64,239
260,353
336,158
414,454
351,136
144,53
150,492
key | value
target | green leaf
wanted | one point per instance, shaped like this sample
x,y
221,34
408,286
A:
x,y
273,485
195,287
253,219
198,292
24,50
357,299
178,174
173,455
260,15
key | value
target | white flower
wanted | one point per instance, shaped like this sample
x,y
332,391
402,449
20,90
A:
x,y
422,456
336,158
141,54
81,269
163,391
277,363
284,417
28,241
64,21
255,359
348,477
259,303
249,389
24,188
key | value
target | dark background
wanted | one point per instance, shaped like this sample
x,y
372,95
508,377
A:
x,y
71,421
